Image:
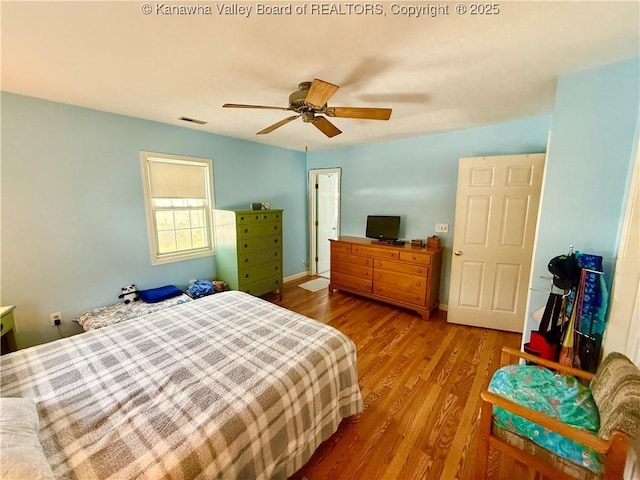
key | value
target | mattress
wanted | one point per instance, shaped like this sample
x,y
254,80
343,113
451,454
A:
x,y
229,386
119,312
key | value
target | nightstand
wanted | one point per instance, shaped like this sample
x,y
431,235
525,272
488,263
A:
x,y
7,325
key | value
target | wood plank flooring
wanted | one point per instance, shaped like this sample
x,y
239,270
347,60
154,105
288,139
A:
x,y
420,381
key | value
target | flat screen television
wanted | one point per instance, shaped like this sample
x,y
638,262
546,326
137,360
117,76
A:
x,y
385,228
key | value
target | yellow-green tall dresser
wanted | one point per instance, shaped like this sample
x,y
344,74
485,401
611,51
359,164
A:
x,y
249,249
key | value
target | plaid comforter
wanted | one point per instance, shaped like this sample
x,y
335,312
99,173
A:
x,y
230,386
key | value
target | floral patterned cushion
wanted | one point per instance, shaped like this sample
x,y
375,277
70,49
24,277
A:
x,y
558,396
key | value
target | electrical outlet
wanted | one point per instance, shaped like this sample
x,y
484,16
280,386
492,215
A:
x,y
442,228
55,316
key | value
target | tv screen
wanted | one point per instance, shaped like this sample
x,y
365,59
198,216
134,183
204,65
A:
x,y
383,227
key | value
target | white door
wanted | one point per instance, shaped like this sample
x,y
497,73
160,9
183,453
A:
x,y
496,215
324,216
327,193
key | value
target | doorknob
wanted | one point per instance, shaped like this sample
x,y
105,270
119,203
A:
x,y
457,253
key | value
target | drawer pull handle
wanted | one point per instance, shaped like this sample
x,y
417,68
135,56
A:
x,y
246,260
246,230
1,327
246,245
417,284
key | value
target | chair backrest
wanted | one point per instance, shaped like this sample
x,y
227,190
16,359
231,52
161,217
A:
x,y
616,391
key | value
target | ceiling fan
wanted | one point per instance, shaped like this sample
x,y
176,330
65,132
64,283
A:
x,y
310,103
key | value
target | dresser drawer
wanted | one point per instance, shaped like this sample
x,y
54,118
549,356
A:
x,y
263,286
402,281
376,251
394,266
338,257
249,245
260,258
342,279
252,230
248,217
340,247
261,272
270,216
392,292
355,269
414,257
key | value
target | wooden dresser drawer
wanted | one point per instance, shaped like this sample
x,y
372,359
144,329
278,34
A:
x,y
375,251
261,272
340,247
394,266
414,257
248,217
338,258
338,279
270,216
249,245
390,291
355,269
402,281
253,230
263,286
260,258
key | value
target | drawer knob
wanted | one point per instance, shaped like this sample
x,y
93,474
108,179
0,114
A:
x,y
246,245
246,260
246,230
417,284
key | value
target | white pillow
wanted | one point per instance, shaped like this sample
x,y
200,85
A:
x,y
21,454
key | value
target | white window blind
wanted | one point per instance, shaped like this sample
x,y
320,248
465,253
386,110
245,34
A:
x,y
177,179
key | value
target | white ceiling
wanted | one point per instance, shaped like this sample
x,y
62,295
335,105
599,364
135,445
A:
x,y
437,73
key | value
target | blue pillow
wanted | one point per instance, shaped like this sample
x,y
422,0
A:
x,y
154,295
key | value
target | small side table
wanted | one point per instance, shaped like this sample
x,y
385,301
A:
x,y
7,325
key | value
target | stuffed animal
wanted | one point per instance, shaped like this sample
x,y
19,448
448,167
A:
x,y
129,294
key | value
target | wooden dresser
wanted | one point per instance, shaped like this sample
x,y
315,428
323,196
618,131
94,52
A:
x,y
249,249
398,274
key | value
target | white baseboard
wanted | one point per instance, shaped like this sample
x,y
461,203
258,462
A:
x,y
297,276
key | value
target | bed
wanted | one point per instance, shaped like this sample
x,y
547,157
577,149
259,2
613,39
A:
x,y
229,386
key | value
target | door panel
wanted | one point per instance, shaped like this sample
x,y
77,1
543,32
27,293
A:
x,y
496,212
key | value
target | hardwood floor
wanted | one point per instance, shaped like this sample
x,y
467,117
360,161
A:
x,y
420,381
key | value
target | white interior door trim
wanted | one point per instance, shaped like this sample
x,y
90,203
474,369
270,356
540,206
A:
x,y
313,212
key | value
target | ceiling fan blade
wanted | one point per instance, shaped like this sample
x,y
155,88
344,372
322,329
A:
x,y
271,128
240,105
363,113
320,92
326,127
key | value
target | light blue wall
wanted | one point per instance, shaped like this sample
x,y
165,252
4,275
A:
x,y
417,178
73,220
593,142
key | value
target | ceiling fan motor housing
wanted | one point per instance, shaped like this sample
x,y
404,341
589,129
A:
x,y
297,99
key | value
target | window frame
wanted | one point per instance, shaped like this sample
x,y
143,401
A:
x,y
158,258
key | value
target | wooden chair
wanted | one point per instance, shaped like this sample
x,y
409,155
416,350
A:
x,y
615,388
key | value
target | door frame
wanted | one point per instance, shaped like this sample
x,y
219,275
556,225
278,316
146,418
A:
x,y
313,211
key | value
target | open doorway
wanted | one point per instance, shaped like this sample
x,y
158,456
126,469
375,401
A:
x,y
324,217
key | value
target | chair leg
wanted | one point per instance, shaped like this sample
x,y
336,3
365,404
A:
x,y
482,451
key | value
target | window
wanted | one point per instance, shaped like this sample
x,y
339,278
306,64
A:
x,y
178,199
